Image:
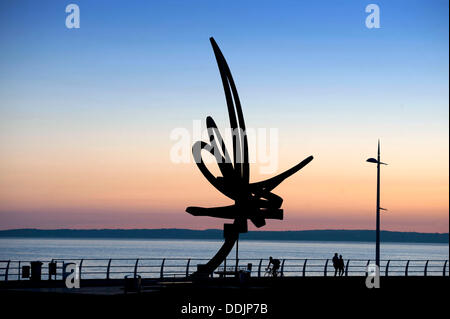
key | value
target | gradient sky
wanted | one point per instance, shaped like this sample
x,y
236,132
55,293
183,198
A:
x,y
85,114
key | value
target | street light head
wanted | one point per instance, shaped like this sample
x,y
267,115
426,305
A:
x,y
372,160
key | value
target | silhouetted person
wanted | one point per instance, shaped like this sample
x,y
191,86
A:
x,y
335,263
275,266
341,265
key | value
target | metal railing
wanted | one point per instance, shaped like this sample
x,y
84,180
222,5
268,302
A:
x,y
160,268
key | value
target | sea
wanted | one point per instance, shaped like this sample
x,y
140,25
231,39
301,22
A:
x,y
47,249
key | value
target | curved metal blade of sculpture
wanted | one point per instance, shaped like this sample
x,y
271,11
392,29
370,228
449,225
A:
x,y
253,201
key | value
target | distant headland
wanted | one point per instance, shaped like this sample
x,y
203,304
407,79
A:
x,y
212,234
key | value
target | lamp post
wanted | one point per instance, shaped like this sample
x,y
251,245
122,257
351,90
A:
x,y
377,245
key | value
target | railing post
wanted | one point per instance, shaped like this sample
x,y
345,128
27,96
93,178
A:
x,y
107,269
187,267
260,263
161,273
81,265
236,266
406,269
282,268
7,270
346,267
50,276
19,271
225,268
445,268
325,269
387,268
135,268
304,267
425,271
367,265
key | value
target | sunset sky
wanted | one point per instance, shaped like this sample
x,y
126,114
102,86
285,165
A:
x,y
86,114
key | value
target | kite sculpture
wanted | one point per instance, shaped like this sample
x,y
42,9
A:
x,y
254,201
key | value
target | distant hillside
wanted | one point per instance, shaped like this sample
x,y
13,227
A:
x,y
302,235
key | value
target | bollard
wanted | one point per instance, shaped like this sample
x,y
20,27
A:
x,y
36,270
133,283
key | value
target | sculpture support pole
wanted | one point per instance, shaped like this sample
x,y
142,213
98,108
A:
x,y
231,236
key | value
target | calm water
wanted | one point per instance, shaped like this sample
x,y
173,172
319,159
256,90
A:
x,y
46,249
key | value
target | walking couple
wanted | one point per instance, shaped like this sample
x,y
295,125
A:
x,y
338,264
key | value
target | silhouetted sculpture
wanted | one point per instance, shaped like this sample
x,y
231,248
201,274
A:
x,y
253,201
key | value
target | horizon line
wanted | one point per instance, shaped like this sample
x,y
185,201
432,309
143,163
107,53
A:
x,y
216,229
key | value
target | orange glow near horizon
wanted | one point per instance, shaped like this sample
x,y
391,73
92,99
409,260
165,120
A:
x,y
130,188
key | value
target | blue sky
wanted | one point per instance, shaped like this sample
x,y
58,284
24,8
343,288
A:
x,y
140,59
141,68
129,46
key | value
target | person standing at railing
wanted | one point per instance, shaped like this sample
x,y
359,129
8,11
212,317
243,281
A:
x,y
341,265
335,264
